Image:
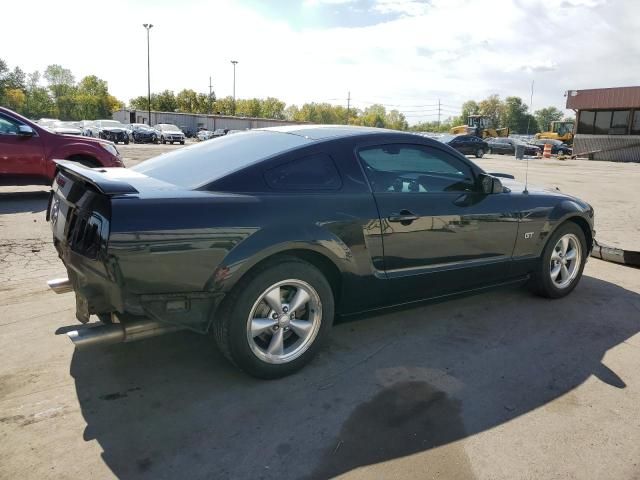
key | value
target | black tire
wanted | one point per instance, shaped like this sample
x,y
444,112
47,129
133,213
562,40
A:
x,y
126,142
164,142
479,153
541,282
182,143
230,322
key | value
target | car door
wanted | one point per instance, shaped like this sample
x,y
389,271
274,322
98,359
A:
x,y
440,233
21,156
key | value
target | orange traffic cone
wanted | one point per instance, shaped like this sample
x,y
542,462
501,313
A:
x,y
547,151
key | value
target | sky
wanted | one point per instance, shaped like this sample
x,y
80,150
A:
x,y
404,54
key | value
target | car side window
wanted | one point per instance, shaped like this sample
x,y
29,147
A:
x,y
415,169
315,172
8,126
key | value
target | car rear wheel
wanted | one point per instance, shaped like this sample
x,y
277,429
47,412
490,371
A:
x,y
275,321
164,142
182,142
479,153
562,262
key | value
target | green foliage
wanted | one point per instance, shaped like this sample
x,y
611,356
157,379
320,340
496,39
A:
x,y
61,98
545,116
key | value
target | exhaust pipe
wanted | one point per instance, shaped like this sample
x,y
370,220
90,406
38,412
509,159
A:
x,y
60,285
112,333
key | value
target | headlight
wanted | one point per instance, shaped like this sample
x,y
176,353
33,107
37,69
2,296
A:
x,y
109,147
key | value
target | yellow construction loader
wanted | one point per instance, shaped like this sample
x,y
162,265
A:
x,y
479,125
562,131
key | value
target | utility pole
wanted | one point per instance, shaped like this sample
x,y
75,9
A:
x,y
438,113
210,92
235,62
148,27
348,105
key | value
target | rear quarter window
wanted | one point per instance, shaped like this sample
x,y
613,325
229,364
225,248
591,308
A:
x,y
315,172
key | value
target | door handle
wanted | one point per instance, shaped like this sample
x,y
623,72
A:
x,y
405,216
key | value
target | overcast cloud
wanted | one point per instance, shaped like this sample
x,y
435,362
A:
x,y
406,53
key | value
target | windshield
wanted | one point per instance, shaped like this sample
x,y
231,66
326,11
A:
x,y
167,127
200,164
446,138
111,123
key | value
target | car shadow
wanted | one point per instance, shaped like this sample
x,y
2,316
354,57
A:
x,y
23,202
385,387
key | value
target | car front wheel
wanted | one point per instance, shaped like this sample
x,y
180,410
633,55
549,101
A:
x,y
479,153
562,262
275,321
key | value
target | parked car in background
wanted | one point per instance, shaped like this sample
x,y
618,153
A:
x,y
507,146
67,128
109,130
188,131
557,146
85,126
169,133
264,236
466,144
220,132
142,133
204,135
47,122
28,151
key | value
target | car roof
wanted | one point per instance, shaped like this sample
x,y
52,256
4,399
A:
x,y
321,132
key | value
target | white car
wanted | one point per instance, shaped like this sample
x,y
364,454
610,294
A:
x,y
66,128
169,133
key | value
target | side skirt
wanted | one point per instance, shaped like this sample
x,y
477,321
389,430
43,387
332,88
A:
x,y
449,296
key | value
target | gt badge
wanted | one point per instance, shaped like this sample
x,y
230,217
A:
x,y
528,235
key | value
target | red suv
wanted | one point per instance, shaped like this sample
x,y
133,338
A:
x,y
27,151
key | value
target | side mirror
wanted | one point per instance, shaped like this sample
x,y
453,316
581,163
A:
x,y
490,184
25,131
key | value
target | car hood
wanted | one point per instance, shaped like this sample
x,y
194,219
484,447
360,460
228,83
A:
x,y
172,132
113,129
518,187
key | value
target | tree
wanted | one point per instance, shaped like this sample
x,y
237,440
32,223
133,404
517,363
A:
x,y
515,115
396,120
470,107
187,101
273,108
14,98
251,107
546,115
493,108
166,102
223,106
38,102
374,116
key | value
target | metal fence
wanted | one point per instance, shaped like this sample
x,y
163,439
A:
x,y
194,121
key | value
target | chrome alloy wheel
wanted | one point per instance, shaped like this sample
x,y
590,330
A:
x,y
565,261
284,321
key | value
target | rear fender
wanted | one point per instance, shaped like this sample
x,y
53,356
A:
x,y
269,242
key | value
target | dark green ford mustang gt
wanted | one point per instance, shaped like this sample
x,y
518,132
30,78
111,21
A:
x,y
262,237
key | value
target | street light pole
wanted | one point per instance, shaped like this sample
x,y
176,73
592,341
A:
x,y
235,62
148,27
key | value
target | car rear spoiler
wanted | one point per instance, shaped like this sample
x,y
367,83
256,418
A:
x,y
97,177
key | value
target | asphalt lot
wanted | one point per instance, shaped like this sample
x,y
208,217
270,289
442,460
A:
x,y
502,385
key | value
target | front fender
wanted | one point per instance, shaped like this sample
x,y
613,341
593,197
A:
x,y
271,241
562,212
67,150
